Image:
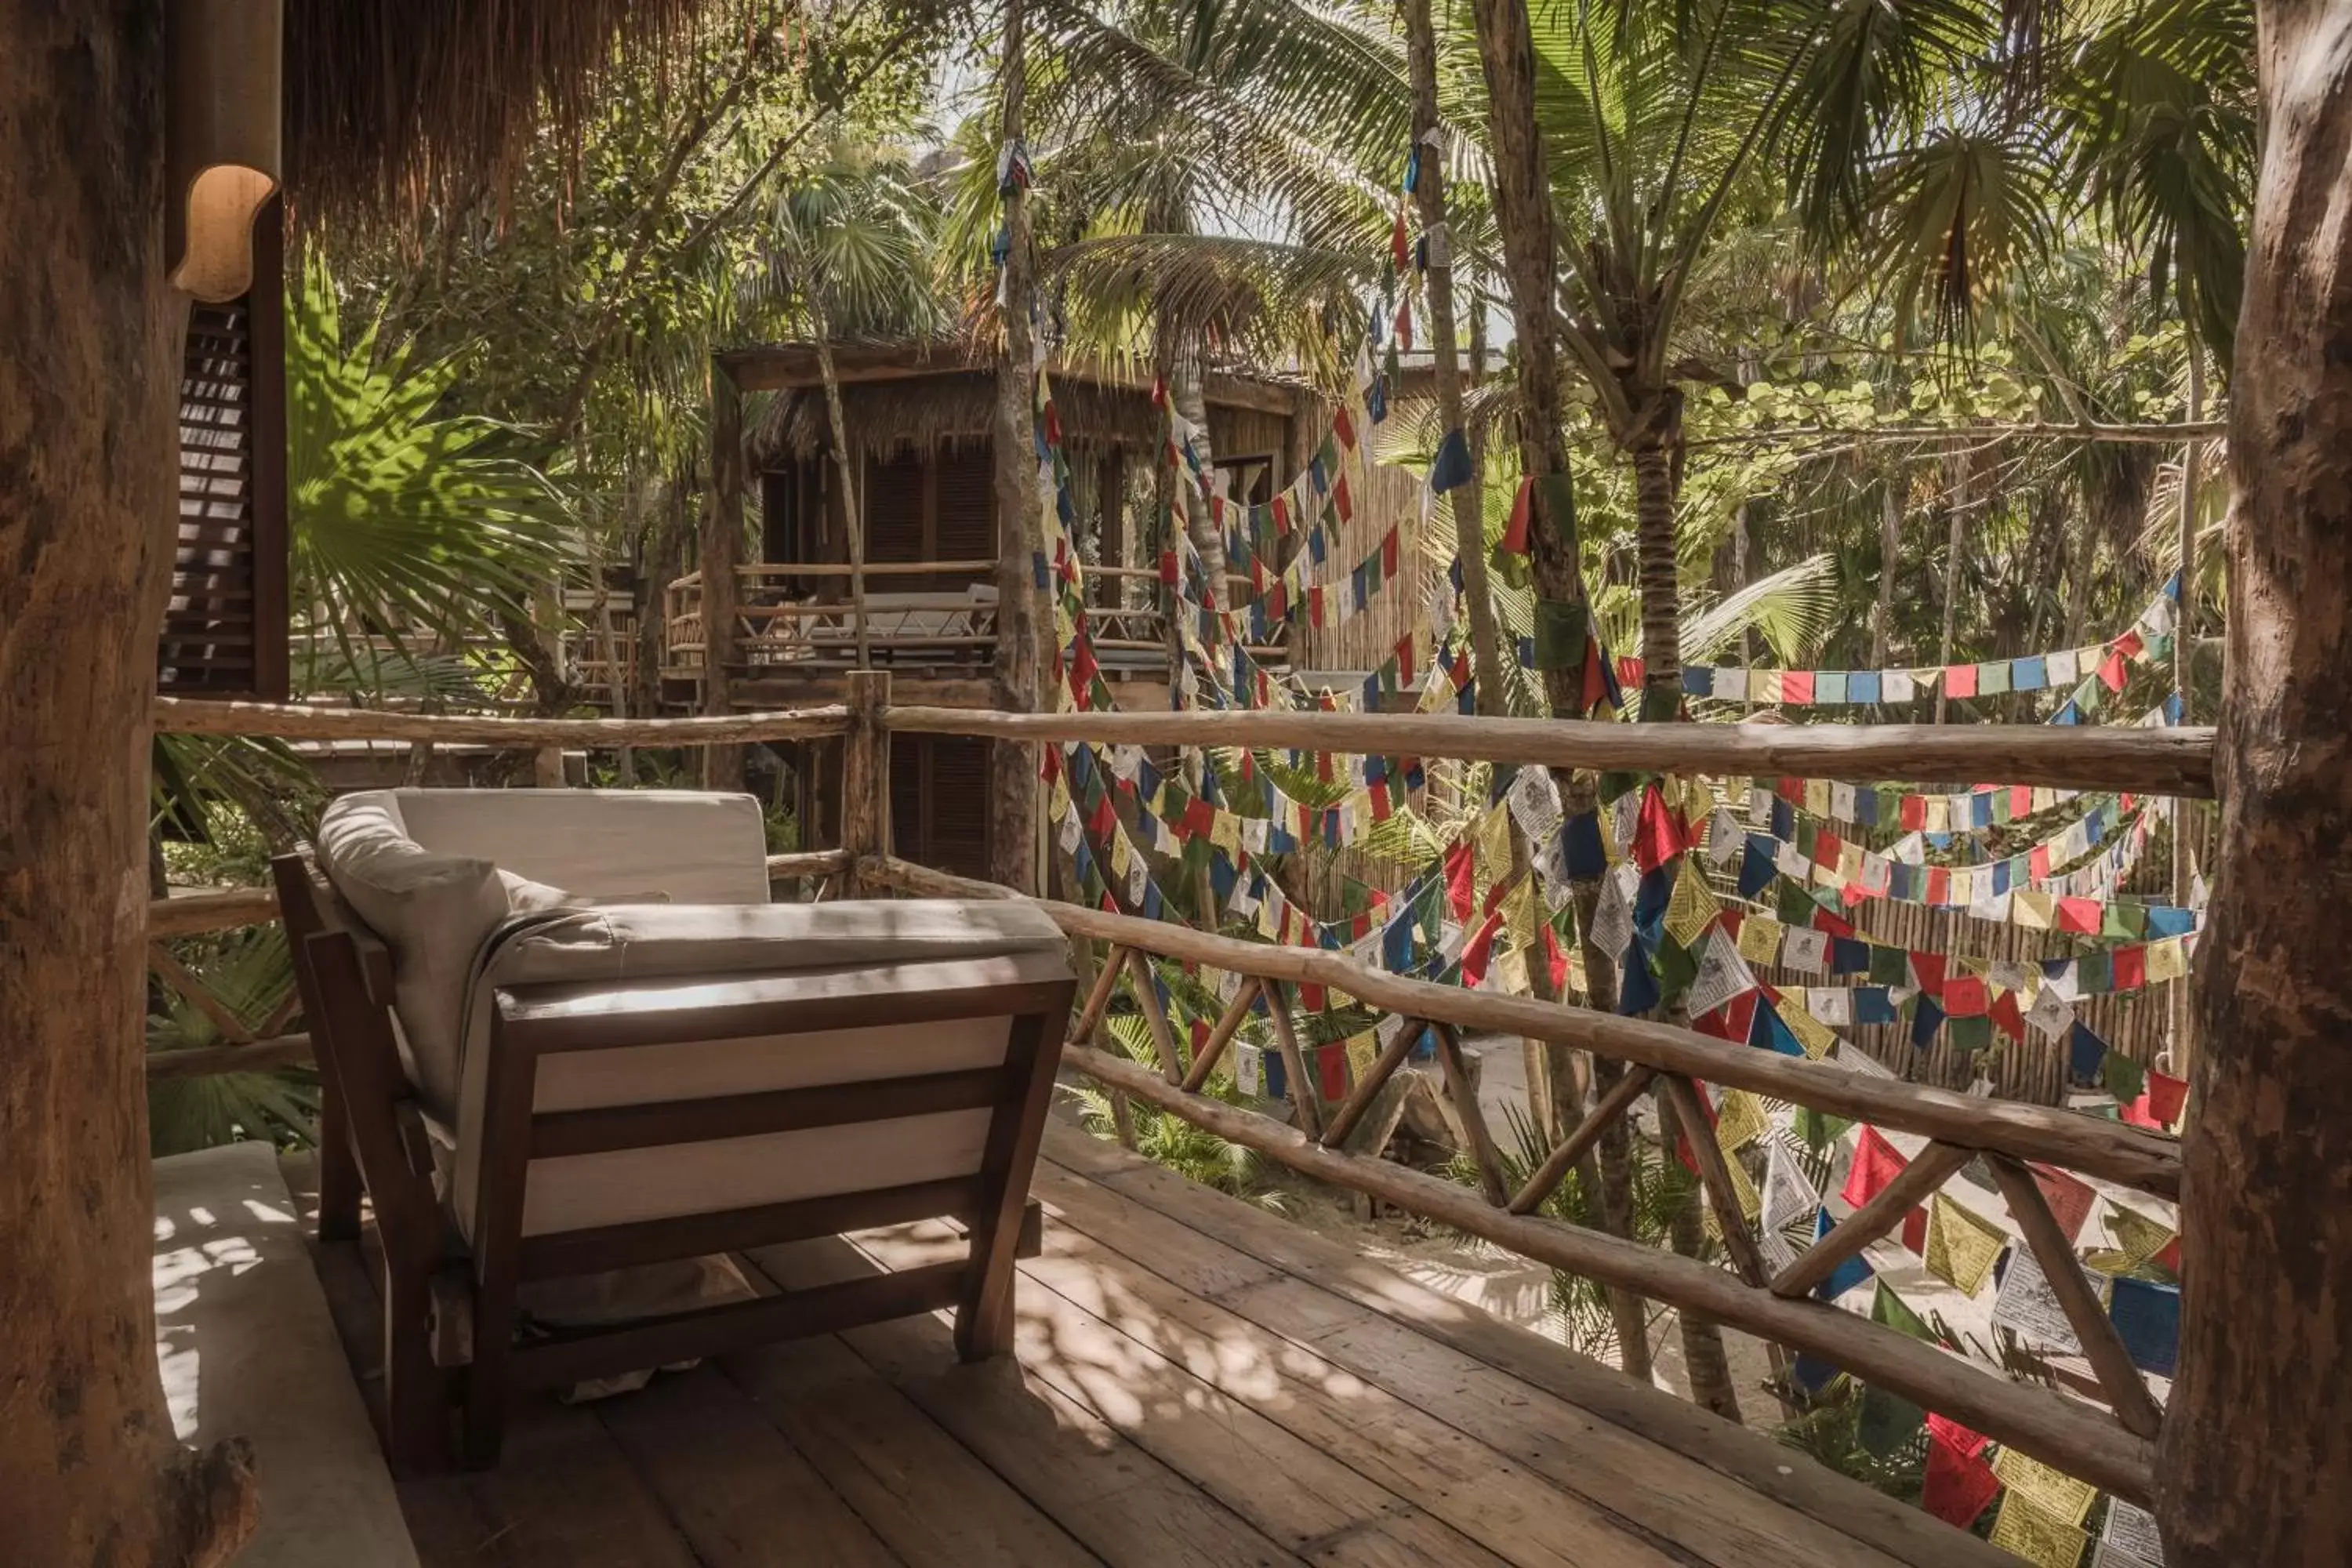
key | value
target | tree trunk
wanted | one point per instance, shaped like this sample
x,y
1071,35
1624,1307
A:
x,y
853,520
2256,1458
1185,393
1012,804
1522,201
1662,639
1890,556
2184,1026
1704,1362
1952,551
721,552
89,372
1469,511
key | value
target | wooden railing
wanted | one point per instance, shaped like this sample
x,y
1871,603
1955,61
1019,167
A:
x,y
2113,1448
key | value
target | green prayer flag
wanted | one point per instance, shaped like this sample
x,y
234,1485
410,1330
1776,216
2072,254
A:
x,y
1791,905
1970,1035
2125,1078
1557,496
1891,1311
1887,1422
1819,1128
1675,968
1889,965
1561,632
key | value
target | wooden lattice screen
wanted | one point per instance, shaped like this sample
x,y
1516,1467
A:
x,y
223,632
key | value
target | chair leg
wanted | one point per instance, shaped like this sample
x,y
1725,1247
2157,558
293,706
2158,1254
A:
x,y
338,1171
416,1396
983,1330
487,1396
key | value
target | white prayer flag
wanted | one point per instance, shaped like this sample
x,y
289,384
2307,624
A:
x,y
1723,976
1829,1004
2129,1539
1895,686
2028,1307
2049,1015
1806,950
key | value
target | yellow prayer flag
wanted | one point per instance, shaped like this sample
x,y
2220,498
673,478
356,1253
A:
x,y
1939,813
2169,959
1494,852
1225,833
1817,796
2049,1491
2028,1532
1121,856
1057,804
1961,1245
1690,907
2136,1234
1363,1050
1519,914
2033,911
1759,938
1849,864
1739,1120
1817,1037
1699,799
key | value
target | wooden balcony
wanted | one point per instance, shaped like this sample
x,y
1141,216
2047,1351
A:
x,y
1196,1382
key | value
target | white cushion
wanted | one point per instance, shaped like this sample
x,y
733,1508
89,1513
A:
x,y
686,846
932,943
433,910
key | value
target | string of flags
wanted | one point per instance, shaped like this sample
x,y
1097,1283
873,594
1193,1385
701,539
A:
x,y
2093,672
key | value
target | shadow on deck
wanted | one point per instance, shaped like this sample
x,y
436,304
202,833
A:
x,y
1197,1383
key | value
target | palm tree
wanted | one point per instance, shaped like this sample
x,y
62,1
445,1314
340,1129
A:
x,y
849,248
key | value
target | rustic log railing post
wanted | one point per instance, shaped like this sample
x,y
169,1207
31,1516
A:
x,y
865,774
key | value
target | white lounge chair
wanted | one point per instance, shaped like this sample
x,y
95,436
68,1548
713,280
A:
x,y
562,1033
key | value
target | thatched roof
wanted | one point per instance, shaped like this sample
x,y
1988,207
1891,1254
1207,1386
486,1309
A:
x,y
901,396
949,408
392,102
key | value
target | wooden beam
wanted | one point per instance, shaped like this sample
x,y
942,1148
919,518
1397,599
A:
x,y
2131,1156
866,771
1305,1098
1099,996
1715,1178
1213,1048
809,863
1910,1186
2050,1426
1475,1131
210,909
234,1030
1368,1087
2176,761
1147,996
206,1061
2102,1347
1563,1159
294,721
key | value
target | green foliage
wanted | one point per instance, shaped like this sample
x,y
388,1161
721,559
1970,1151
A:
x,y
251,972
409,522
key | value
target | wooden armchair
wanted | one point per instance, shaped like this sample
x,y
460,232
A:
x,y
535,1083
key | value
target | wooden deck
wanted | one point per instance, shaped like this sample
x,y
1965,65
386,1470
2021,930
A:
x,y
1197,1383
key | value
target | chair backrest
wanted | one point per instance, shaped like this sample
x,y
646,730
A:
x,y
680,846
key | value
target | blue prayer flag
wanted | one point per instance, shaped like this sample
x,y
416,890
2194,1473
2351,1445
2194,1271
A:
x,y
1451,469
2146,1316
1846,1275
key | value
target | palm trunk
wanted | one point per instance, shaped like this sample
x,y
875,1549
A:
x,y
1522,200
1012,768
1704,1361
1468,500
1952,552
90,371
2256,1452
1890,553
1185,393
853,520
1662,639
2184,1024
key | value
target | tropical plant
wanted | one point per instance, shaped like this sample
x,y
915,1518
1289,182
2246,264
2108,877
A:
x,y
251,974
410,524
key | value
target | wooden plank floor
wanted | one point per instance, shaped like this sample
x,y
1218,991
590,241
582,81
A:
x,y
1197,1383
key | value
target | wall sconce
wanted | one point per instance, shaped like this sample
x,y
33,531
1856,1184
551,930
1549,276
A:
x,y
222,149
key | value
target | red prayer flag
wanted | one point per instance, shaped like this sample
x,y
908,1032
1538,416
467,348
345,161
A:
x,y
2129,644
1401,241
1331,1070
2009,1014
1965,996
2170,1259
1404,324
1959,680
1458,866
2037,863
1656,838
1796,686
1389,566
1928,970
1343,428
2166,1096
1555,960
1733,1021
1958,1487
1915,1230
1379,793
2079,915
2111,672
1481,946
1339,499
1282,514
1915,812
1310,996
1515,536
1962,1441
1593,691
1200,816
2130,968
2070,1199
2021,800
1940,884
1875,1163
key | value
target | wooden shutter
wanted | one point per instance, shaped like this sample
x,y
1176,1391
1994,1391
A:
x,y
223,632
938,801
967,508
893,504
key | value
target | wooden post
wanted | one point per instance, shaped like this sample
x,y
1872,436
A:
x,y
865,774
722,551
1013,806
2184,1023
2256,1457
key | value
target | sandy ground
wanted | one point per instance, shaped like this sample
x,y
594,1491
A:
x,y
1519,1291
